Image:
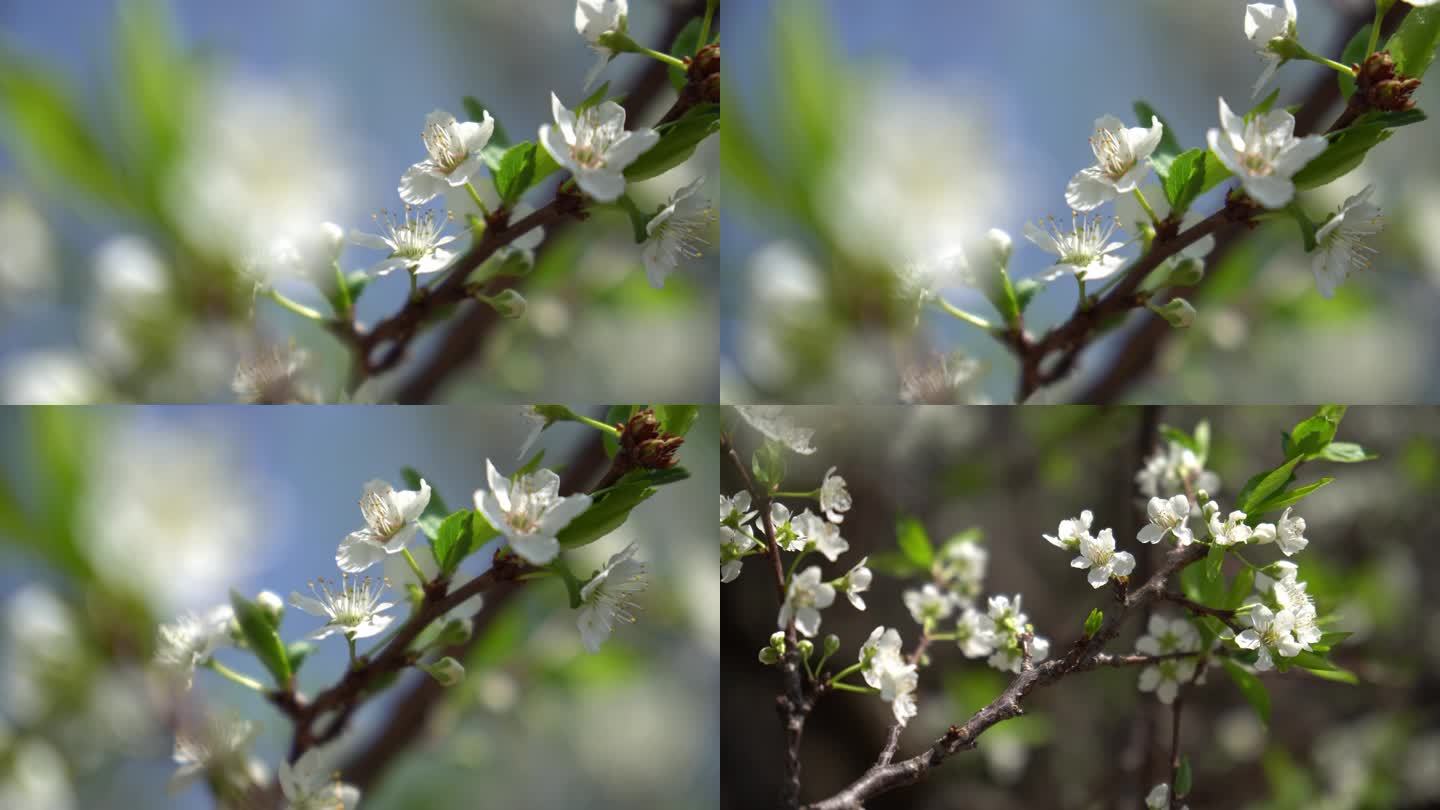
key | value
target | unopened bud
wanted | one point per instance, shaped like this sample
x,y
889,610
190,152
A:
x,y
1177,312
447,671
1001,246
832,644
455,631
769,657
507,304
777,642
806,647
1187,273
273,606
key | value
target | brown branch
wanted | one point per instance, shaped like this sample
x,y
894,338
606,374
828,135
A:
x,y
1084,654
1226,616
1141,347
471,330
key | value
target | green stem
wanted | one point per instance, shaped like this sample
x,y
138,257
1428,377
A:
x,y
414,566
414,283
1080,282
814,493
662,57
850,687
230,674
708,18
350,641
1343,70
844,673
294,306
475,195
343,289
598,425
1144,203
795,563
967,317
1380,9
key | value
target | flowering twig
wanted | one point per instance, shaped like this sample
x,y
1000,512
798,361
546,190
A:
x,y
1083,655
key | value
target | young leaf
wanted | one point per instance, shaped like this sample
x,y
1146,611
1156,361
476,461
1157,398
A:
x,y
615,415
686,43
895,564
516,172
1093,621
1215,173
435,511
1289,497
1413,43
914,542
1183,778
263,639
677,143
1346,151
476,112
1186,178
605,515
1240,588
454,540
296,652
1346,453
677,419
1251,687
1311,435
1259,488
1214,560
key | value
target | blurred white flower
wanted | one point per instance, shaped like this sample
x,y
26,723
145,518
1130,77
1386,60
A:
x,y
1270,631
676,232
1265,23
414,243
391,517
272,376
172,514
261,160
27,260
42,645
593,20
929,604
884,668
304,252
1174,468
34,776
1084,250
608,596
735,538
529,511
1159,798
1167,517
311,784
773,424
454,149
834,498
1343,241
915,171
50,377
804,600
960,568
1264,153
594,146
354,608
1122,156
191,640
941,379
975,633
218,750
1098,554
1167,637
822,535
855,582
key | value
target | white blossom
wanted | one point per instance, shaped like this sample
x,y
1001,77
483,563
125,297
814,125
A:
x,y
454,149
1098,554
735,538
804,600
272,376
594,146
595,19
304,251
311,784
219,749
929,604
354,608
414,243
1265,23
975,633
773,424
1270,631
834,498
41,642
960,568
529,511
1068,535
856,581
34,775
1167,637
676,232
1232,531
1084,250
1010,659
1290,594
191,640
1264,153
27,260
1167,517
1342,242
1174,468
391,520
609,596
1122,157
50,377
1159,799
786,534
884,668
821,534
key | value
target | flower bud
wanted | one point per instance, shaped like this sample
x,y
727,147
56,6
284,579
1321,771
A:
x,y
273,606
1177,312
777,642
769,657
447,671
1187,273
832,644
508,304
806,647
455,631
1001,246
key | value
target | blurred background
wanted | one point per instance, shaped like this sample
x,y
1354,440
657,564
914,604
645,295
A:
x,y
114,519
136,136
1093,740
860,134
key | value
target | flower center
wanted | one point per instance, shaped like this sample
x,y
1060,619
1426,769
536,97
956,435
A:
x,y
375,506
445,149
414,237
587,156
1115,159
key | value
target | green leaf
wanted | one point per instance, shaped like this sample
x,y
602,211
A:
x,y
593,99
1260,487
1311,435
1169,146
608,513
296,653
1240,588
638,219
455,540
1354,53
895,564
1413,43
1265,105
157,82
1337,674
677,419
914,542
1345,453
1289,497
1181,438
1183,778
1093,622
1215,172
435,511
677,142
1186,178
686,43
1345,152
768,464
516,172
260,634
476,112
1251,687
1214,560
615,415
1025,291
